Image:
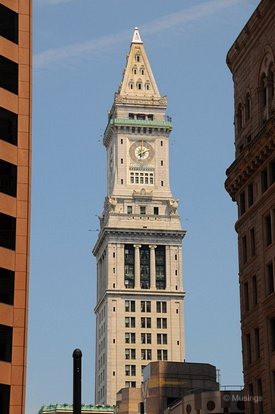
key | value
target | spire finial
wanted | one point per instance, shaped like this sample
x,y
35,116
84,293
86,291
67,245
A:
x,y
136,36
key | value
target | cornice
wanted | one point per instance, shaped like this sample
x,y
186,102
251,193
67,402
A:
x,y
132,235
159,294
253,156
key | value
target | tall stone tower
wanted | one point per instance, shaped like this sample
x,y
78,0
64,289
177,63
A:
x,y
251,183
139,311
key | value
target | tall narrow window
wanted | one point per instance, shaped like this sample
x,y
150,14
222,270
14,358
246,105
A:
x,y
248,349
252,242
260,396
8,75
239,118
160,267
246,297
129,266
257,343
264,180
244,249
269,278
254,290
145,267
272,333
250,194
268,230
247,107
251,401
242,203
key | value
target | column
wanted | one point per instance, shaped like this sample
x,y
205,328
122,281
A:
x,y
152,267
137,265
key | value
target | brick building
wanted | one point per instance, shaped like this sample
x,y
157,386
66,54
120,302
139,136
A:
x,y
251,183
15,150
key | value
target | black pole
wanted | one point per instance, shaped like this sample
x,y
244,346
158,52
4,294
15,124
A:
x,y
77,355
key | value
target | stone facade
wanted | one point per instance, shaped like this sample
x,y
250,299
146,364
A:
x,y
15,172
139,311
251,183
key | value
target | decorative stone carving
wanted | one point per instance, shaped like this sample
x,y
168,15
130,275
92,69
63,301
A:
x,y
173,205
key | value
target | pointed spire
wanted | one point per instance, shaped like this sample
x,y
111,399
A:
x,y
136,36
138,79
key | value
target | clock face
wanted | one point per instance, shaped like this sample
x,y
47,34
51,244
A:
x,y
141,152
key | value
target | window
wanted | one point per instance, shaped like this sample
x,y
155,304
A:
x,y
246,297
145,322
137,57
161,323
130,384
114,255
162,354
121,141
156,211
252,242
161,183
250,193
260,396
130,306
254,290
244,249
145,267
130,322
8,24
129,210
269,278
142,210
268,230
242,203
7,286
160,267
264,180
146,354
130,338
4,399
161,143
8,126
7,231
239,118
145,338
5,343
130,353
162,339
161,307
129,266
121,160
145,306
257,343
8,75
272,333
248,349
130,370
142,178
139,85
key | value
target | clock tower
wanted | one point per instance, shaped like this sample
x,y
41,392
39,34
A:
x,y
139,310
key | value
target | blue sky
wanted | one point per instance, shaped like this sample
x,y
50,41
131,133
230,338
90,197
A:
x,y
79,55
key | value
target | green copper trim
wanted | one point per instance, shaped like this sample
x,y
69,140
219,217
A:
x,y
69,407
142,122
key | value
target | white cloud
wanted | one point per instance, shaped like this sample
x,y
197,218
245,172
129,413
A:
x,y
87,48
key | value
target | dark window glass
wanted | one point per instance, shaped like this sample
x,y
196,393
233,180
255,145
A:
x,y
8,24
8,126
156,211
246,297
129,266
7,231
250,194
257,343
244,248
4,399
264,180
254,290
8,75
6,286
269,278
8,178
160,268
248,349
242,203
5,343
268,231
252,242
272,333
145,267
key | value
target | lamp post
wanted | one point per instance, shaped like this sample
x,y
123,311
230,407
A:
x,y
77,355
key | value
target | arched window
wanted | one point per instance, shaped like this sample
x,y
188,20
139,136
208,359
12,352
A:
x,y
131,85
139,85
147,86
142,70
239,117
135,70
247,107
137,57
